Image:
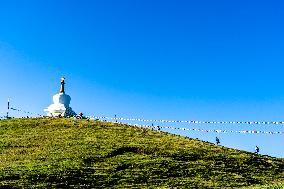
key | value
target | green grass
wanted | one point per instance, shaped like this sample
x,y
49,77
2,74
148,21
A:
x,y
67,153
270,186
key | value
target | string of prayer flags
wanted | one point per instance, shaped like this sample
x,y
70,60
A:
x,y
193,121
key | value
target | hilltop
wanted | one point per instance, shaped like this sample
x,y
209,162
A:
x,y
68,153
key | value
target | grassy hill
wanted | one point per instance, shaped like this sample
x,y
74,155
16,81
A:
x,y
68,153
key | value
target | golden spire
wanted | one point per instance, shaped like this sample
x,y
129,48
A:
x,y
62,85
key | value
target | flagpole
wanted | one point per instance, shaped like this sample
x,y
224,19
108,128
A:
x,y
8,108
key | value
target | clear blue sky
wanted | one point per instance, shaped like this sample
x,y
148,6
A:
x,y
156,59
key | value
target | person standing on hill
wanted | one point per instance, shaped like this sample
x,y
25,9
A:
x,y
217,141
256,149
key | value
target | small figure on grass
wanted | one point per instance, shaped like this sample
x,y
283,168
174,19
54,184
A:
x,y
217,141
159,128
256,149
80,116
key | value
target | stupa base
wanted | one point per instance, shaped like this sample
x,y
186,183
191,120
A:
x,y
59,110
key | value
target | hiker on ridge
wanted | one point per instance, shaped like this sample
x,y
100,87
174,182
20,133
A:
x,y
217,141
256,149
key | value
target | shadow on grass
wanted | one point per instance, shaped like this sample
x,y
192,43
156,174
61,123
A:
x,y
84,177
180,165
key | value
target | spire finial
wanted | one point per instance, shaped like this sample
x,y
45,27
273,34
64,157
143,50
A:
x,y
62,85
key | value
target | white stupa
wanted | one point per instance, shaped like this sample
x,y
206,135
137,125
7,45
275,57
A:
x,y
61,102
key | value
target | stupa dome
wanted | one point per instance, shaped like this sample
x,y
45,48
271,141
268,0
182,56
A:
x,y
62,98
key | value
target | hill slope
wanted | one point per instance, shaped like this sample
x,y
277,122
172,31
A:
x,y
81,154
